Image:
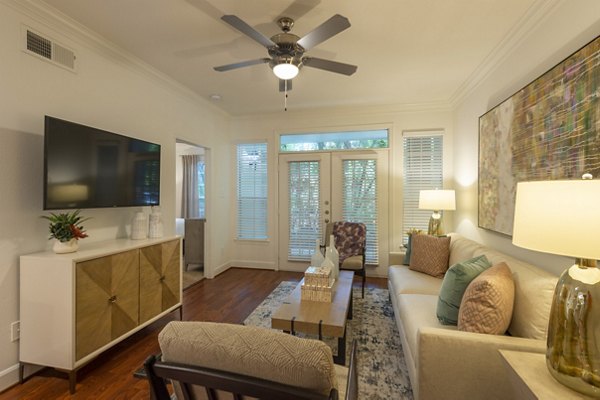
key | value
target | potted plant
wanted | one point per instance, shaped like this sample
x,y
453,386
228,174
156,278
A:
x,y
66,229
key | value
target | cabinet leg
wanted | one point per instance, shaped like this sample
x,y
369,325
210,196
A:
x,y
72,381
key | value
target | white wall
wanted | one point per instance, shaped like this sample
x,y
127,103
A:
x,y
399,119
564,29
110,91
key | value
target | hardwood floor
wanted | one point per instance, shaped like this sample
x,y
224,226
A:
x,y
230,297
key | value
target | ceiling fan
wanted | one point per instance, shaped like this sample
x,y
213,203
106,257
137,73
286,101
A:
x,y
287,50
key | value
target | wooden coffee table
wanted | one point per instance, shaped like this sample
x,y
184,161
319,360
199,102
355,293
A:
x,y
319,318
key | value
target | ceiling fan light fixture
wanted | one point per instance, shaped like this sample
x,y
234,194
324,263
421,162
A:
x,y
285,71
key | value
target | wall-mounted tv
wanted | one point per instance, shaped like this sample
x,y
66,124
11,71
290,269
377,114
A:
x,y
85,167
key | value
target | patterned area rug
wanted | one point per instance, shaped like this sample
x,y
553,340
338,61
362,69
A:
x,y
382,372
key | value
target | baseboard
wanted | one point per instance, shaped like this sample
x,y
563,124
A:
x,y
221,268
254,264
9,377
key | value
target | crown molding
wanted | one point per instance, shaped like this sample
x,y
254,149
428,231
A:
x,y
367,110
64,25
534,16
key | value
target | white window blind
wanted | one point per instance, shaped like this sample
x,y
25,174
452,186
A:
x,y
422,170
359,200
252,191
304,212
201,191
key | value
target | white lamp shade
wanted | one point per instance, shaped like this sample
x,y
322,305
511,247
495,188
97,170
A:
x,y
437,200
285,71
558,217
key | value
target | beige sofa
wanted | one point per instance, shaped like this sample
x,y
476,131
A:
x,y
445,363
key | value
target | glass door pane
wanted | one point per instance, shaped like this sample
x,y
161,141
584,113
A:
x,y
359,193
359,200
304,209
304,206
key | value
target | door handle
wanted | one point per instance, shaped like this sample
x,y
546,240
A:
x,y
326,220
326,212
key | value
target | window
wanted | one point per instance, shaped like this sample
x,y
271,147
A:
x,y
422,170
201,195
359,201
252,191
351,140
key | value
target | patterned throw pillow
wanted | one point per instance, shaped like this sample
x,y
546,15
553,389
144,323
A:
x,y
487,304
430,254
455,283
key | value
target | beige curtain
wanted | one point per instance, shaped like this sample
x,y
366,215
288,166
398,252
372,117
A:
x,y
189,197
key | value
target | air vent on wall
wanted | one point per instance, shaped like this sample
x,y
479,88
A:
x,y
50,50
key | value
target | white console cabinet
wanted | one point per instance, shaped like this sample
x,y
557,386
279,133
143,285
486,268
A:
x,y
74,306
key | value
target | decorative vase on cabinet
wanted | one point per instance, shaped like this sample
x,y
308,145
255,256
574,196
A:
x,y
69,246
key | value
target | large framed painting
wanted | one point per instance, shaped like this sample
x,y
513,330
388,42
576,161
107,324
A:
x,y
550,129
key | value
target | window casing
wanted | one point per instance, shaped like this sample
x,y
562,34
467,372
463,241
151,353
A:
x,y
252,191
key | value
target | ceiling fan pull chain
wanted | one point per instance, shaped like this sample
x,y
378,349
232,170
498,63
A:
x,y
286,96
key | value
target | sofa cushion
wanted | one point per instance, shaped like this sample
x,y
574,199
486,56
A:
x,y
253,351
429,254
454,285
487,304
405,281
462,249
534,290
417,311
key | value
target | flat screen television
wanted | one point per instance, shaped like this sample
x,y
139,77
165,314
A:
x,y
85,167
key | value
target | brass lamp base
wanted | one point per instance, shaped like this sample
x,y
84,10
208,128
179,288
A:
x,y
573,354
435,224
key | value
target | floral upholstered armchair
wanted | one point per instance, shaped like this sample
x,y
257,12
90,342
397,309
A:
x,y
350,241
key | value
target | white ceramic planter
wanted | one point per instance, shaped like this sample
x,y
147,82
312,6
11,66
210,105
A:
x,y
65,247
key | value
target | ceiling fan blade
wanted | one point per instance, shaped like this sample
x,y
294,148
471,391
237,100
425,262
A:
x,y
327,29
328,65
282,87
241,64
247,30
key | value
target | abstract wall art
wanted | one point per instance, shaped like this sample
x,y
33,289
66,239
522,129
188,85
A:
x,y
548,130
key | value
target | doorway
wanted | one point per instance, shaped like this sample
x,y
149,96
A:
x,y
316,188
190,222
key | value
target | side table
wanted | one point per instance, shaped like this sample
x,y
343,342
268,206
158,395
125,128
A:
x,y
531,379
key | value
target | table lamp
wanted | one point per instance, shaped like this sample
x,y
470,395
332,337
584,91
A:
x,y
436,200
561,217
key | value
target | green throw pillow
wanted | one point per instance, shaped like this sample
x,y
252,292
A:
x,y
455,283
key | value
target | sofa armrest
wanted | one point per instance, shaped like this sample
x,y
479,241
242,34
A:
x,y
465,365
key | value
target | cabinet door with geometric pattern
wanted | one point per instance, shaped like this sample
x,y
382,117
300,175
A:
x,y
107,300
160,280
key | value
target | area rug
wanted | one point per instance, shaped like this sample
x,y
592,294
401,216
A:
x,y
382,372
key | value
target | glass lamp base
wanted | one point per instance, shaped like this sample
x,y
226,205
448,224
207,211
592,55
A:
x,y
573,354
435,224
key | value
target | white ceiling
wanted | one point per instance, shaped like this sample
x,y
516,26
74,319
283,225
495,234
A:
x,y
408,52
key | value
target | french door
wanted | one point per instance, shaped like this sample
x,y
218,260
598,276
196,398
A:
x,y
316,188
